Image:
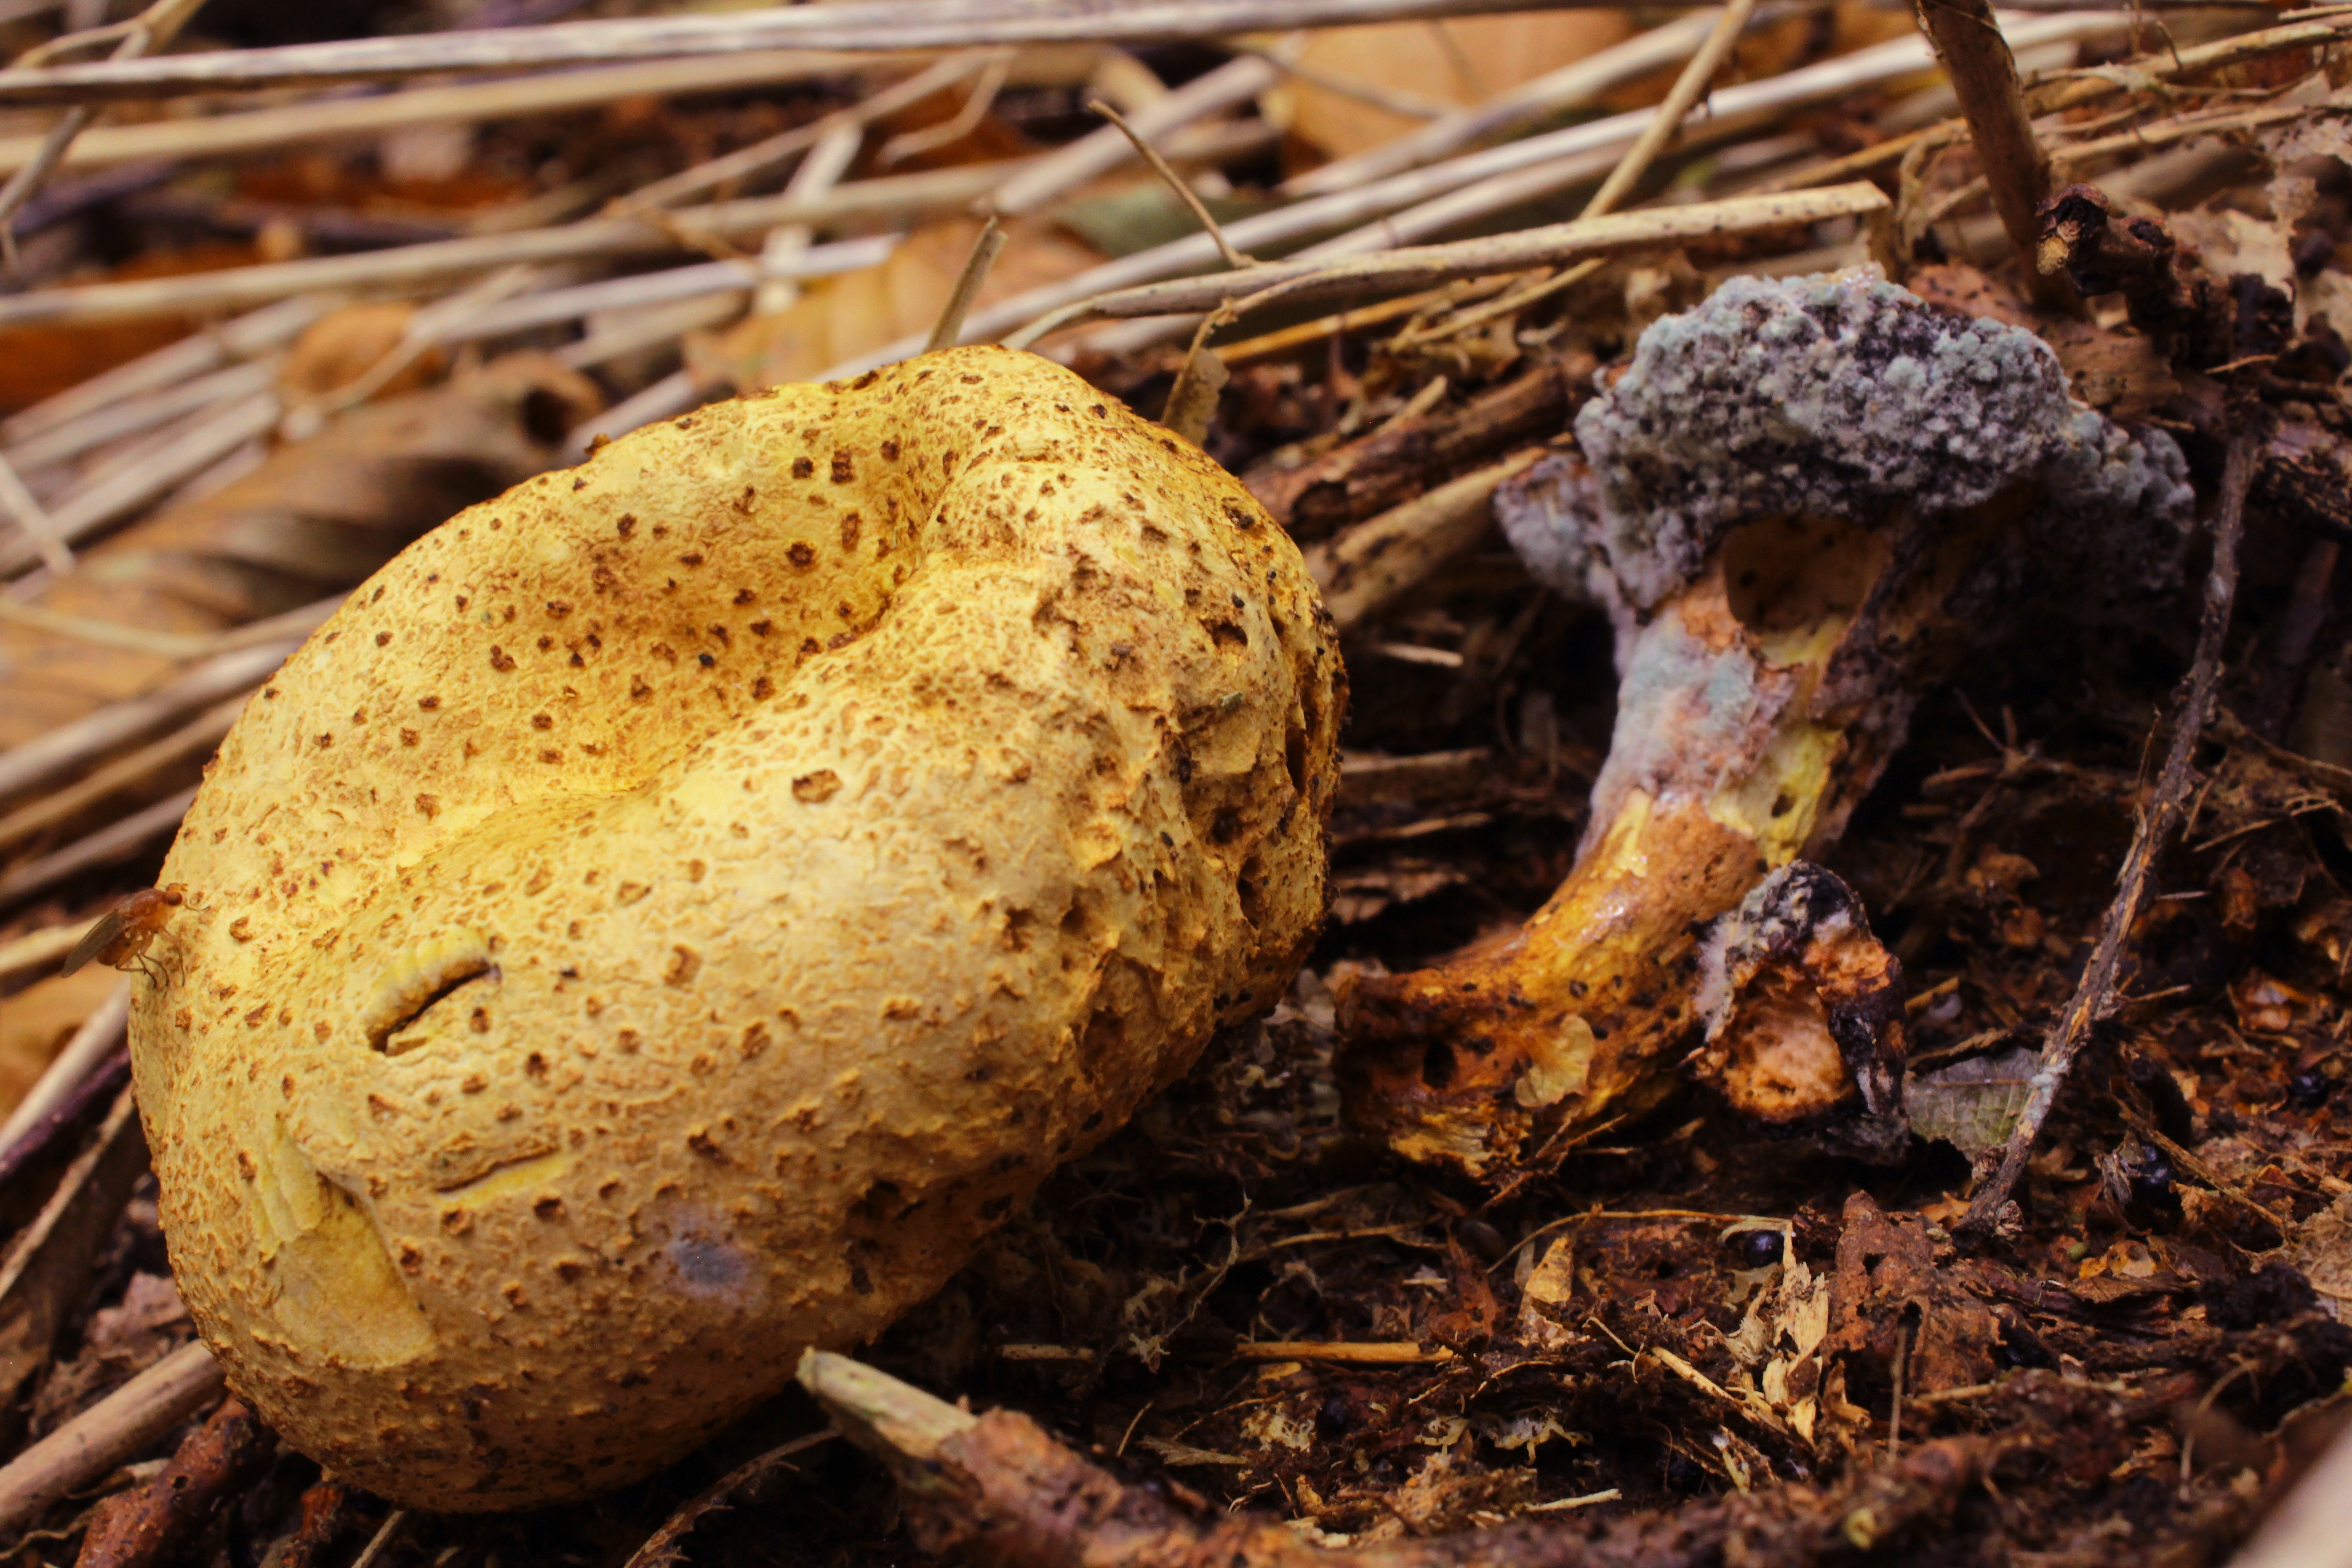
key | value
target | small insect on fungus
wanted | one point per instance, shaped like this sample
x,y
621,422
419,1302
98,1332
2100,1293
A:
x,y
122,936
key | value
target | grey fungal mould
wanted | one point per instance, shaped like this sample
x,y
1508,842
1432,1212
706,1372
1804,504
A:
x,y
1836,395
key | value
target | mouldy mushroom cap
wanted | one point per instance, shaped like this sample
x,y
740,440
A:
x,y
673,910
1837,396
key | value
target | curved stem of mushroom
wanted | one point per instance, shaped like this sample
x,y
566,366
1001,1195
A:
x,y
1756,708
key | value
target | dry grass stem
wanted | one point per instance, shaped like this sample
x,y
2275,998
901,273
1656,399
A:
x,y
150,29
198,354
85,1447
1476,185
1175,184
868,26
1099,152
125,773
114,843
949,329
1418,266
1572,86
96,735
761,156
99,1036
142,412
34,518
39,951
1663,127
133,480
413,266
468,103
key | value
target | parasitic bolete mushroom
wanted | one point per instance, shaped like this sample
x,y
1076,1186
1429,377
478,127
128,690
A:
x,y
1798,501
673,910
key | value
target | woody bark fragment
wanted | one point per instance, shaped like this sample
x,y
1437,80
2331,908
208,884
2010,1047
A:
x,y
997,1489
149,1526
1799,503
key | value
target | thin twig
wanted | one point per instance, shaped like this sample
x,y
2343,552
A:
x,y
746,162
1417,267
1984,77
108,1433
949,329
1174,182
35,519
2096,996
1099,151
154,29
860,25
1663,127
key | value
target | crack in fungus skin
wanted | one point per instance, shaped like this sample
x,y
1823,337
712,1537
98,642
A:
x,y
770,847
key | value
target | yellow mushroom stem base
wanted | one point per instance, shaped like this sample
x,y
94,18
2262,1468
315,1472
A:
x,y
1756,707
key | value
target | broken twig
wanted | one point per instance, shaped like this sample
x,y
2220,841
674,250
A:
x,y
2096,996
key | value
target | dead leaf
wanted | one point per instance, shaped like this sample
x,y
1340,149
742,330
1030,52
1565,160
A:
x,y
1459,61
1971,1105
835,319
345,344
36,1022
2321,1247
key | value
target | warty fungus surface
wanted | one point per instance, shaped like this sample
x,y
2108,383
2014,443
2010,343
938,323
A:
x,y
672,911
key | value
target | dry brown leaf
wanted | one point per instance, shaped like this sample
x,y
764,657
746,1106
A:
x,y
1460,61
39,361
343,346
37,1021
836,319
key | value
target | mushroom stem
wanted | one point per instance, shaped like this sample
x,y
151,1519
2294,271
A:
x,y
1803,499
1752,716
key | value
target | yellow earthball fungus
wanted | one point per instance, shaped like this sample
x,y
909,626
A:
x,y
674,909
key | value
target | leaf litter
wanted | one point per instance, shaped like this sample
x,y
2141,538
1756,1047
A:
x,y
1242,1300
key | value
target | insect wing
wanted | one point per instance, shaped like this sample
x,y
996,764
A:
x,y
95,941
